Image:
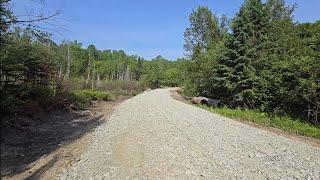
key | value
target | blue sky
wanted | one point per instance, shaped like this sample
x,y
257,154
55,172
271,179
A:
x,y
144,27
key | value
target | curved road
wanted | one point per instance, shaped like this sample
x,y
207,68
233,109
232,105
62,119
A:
x,y
152,136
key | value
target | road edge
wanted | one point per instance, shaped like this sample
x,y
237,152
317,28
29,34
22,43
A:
x,y
174,94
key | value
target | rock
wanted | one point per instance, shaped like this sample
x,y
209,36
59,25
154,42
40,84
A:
x,y
206,101
213,102
199,100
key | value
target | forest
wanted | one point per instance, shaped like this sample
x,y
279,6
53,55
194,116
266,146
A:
x,y
259,59
39,70
37,73
239,100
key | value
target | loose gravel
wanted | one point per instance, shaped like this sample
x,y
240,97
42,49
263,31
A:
x,y
152,136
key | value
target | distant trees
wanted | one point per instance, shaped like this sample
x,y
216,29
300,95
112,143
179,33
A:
x,y
265,61
161,72
260,59
36,72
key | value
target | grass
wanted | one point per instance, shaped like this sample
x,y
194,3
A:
x,y
281,122
126,87
82,98
81,94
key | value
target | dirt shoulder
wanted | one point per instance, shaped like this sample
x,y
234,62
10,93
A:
x,y
308,140
44,149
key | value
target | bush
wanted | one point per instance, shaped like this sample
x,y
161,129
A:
x,y
9,104
78,100
126,87
82,98
19,99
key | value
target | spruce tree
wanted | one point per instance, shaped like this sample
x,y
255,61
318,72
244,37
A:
x,y
236,72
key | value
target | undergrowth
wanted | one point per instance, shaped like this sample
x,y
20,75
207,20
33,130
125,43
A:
x,y
82,98
285,123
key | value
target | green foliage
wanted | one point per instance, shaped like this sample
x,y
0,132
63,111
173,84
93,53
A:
x,y
261,60
37,71
25,72
154,72
202,42
82,98
172,77
264,62
236,74
285,123
160,72
202,32
124,88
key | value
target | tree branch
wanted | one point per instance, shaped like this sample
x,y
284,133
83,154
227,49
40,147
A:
x,y
33,20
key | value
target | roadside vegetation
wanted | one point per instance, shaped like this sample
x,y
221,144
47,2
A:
x,y
82,98
285,123
260,59
38,74
261,65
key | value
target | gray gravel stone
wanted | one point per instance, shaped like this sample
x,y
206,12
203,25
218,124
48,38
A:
x,y
152,136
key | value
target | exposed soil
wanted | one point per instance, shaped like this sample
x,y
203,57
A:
x,y
40,147
309,140
175,94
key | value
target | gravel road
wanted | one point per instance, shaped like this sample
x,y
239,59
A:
x,y
152,136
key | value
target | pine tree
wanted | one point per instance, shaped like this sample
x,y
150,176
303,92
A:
x,y
236,76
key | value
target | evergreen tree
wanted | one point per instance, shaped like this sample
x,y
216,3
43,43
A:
x,y
236,77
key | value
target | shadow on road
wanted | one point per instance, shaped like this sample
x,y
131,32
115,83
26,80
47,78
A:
x,y
34,138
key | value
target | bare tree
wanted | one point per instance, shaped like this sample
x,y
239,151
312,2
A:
x,y
39,22
89,63
68,61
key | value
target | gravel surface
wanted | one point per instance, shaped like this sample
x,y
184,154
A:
x,y
152,136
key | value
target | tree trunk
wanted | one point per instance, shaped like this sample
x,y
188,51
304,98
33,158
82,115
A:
x,y
88,77
69,62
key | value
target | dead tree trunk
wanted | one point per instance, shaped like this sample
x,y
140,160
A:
x,y
127,74
93,75
88,77
68,61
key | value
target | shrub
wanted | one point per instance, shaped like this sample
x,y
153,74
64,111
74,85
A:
x,y
22,99
82,98
127,87
9,104
78,100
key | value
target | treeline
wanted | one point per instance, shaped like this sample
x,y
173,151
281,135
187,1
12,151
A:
x,y
35,71
259,59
